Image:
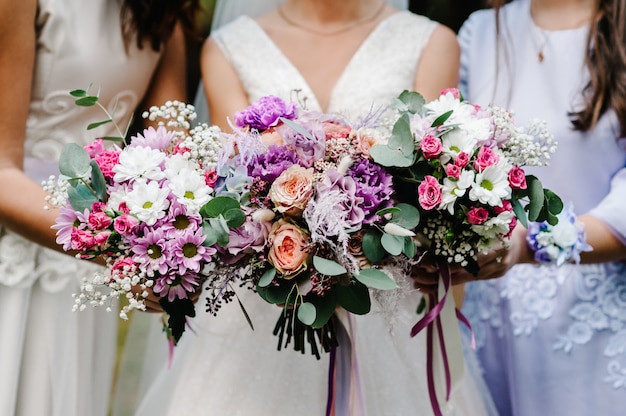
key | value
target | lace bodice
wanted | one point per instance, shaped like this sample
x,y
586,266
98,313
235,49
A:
x,y
366,84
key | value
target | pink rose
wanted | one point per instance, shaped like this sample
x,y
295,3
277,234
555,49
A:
x,y
477,215
364,143
101,238
125,224
485,158
124,207
429,193
336,131
517,178
288,251
210,177
431,147
271,137
506,207
292,190
99,220
94,147
454,91
453,171
462,159
124,267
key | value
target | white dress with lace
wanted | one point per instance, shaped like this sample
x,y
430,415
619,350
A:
x,y
54,361
225,368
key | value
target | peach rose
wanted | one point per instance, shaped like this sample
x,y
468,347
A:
x,y
271,137
288,248
292,190
336,131
364,139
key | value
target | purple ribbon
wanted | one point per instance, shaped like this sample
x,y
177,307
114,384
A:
x,y
433,316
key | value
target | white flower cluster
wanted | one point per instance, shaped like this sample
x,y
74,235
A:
x,y
116,284
174,114
531,145
56,189
436,230
205,142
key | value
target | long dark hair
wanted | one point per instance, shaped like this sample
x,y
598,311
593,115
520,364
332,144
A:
x,y
606,63
153,21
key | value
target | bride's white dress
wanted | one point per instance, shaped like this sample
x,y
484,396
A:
x,y
54,361
225,368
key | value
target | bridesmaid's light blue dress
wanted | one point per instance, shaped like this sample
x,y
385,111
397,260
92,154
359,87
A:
x,y
551,341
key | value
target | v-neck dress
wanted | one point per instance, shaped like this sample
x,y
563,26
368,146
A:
x,y
232,370
552,341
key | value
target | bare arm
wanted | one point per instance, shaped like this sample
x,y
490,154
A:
x,y
438,67
224,92
21,199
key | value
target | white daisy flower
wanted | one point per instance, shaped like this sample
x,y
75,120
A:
x,y
139,163
491,186
176,163
190,189
148,201
453,189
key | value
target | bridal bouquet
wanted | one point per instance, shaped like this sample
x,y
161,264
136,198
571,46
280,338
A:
x,y
322,224
147,208
462,167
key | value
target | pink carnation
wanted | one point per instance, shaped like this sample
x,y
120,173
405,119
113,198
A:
x,y
106,161
99,220
477,215
454,91
453,171
94,148
125,224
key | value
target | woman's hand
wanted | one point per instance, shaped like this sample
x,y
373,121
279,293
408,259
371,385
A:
x,y
492,264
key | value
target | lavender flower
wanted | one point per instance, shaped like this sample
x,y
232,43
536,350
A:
x,y
265,113
269,165
374,185
152,251
187,251
176,286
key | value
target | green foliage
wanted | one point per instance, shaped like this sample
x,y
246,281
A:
x,y
372,247
307,313
354,298
399,151
74,161
406,216
376,279
410,102
328,267
392,243
98,182
81,197
267,277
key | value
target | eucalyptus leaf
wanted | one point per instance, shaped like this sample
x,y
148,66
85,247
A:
x,y
267,277
88,101
354,298
234,217
407,216
536,197
392,243
376,279
520,213
74,161
410,248
115,139
211,235
78,93
217,206
275,294
98,124
402,138
297,127
372,247
307,313
388,157
413,101
98,182
553,201
328,267
325,307
81,198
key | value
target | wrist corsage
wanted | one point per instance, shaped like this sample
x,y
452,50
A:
x,y
560,243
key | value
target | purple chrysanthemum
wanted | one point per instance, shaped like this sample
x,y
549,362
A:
x,y
374,185
178,220
176,286
265,113
188,253
152,251
269,165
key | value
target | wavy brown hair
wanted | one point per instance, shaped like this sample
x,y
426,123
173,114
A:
x,y
606,63
152,22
